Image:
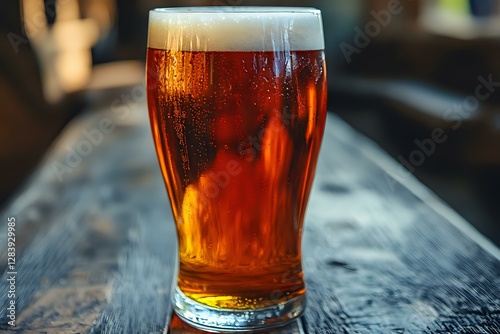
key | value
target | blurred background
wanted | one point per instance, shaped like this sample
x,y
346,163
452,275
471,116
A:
x,y
419,77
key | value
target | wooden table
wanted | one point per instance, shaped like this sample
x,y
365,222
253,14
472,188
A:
x,y
95,241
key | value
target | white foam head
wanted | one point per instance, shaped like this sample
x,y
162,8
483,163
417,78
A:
x,y
236,29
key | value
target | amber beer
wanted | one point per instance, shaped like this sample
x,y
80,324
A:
x,y
237,122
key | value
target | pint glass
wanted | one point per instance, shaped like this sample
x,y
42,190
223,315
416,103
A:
x,y
237,104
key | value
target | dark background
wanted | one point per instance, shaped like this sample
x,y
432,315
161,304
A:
x,y
399,71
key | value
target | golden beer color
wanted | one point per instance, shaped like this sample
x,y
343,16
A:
x,y
237,136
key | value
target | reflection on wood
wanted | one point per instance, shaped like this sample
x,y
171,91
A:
x,y
177,326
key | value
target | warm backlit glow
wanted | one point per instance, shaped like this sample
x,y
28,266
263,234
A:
x,y
238,164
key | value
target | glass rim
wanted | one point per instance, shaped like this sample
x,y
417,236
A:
x,y
237,10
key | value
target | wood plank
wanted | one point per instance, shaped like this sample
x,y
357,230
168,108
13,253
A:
x,y
381,253
66,309
89,236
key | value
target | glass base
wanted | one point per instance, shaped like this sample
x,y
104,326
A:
x,y
228,320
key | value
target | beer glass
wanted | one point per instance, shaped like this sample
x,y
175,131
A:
x,y
237,104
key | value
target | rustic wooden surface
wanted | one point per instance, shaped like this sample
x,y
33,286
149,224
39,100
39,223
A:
x,y
96,250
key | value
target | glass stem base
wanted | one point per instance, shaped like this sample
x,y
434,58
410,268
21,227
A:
x,y
229,320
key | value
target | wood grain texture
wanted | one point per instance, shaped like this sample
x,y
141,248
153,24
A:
x,y
379,257
96,251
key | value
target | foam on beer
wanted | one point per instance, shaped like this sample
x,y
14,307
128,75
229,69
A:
x,y
235,29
